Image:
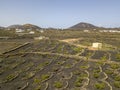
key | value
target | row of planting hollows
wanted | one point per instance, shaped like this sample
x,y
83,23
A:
x,y
51,72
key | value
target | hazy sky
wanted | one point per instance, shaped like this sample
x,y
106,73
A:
x,y
60,13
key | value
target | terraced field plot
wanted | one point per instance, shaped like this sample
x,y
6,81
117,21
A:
x,y
52,65
5,46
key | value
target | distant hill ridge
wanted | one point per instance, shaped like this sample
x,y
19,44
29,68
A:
x,y
1,27
24,26
81,25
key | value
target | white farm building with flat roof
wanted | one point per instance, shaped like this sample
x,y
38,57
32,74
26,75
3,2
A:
x,y
97,45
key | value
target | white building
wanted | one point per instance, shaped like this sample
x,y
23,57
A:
x,y
97,45
111,31
41,31
86,30
40,38
31,32
19,30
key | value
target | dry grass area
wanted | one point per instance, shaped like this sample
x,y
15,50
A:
x,y
72,40
5,46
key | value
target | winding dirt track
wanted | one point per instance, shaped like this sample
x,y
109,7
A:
x,y
105,78
87,82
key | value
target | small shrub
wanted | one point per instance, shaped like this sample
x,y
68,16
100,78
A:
x,y
78,84
1,60
76,72
100,62
117,84
83,75
36,80
104,58
80,79
114,66
46,63
38,88
28,75
88,55
68,66
60,62
1,71
55,69
10,77
100,86
45,76
96,75
84,67
77,49
117,78
96,70
108,71
118,57
58,84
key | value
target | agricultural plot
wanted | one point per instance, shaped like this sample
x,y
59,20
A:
x,y
102,55
47,45
53,65
115,56
6,46
48,72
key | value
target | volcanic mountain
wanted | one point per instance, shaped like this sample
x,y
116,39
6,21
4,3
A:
x,y
30,26
83,25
